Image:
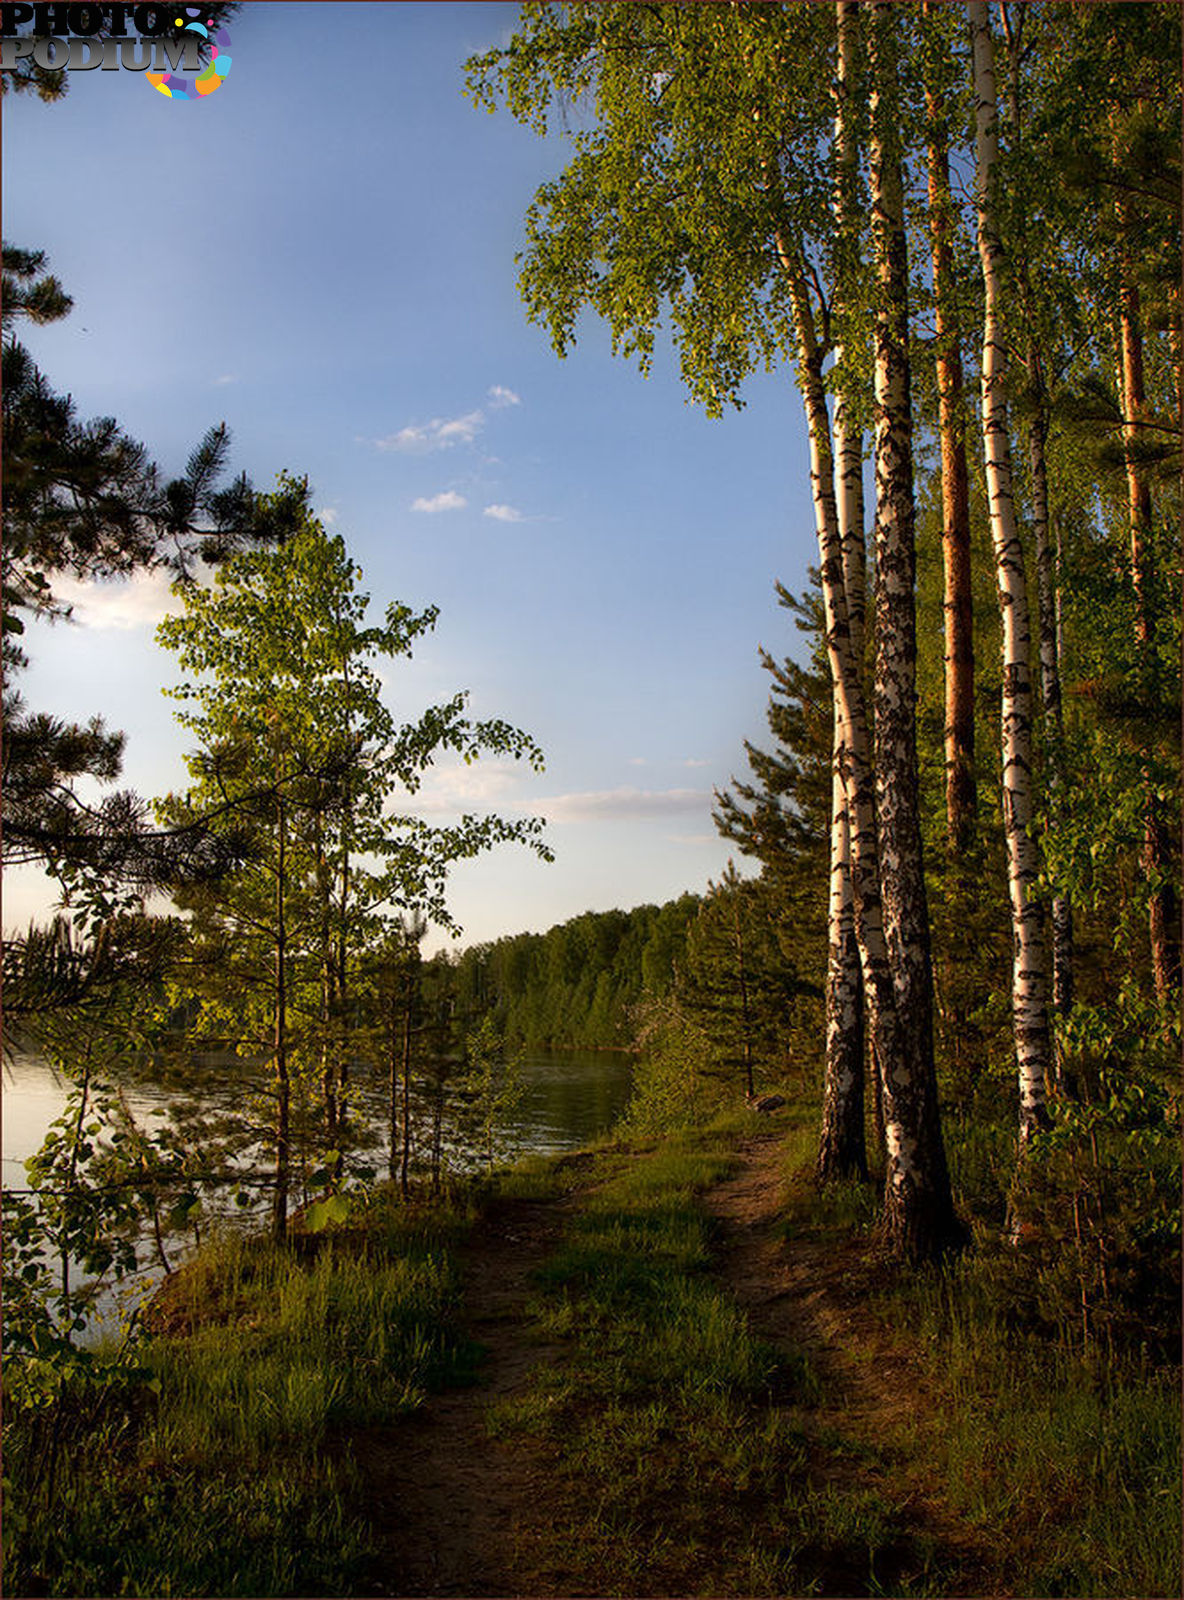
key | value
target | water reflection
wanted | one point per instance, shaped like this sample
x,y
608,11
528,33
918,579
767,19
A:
x,y
568,1099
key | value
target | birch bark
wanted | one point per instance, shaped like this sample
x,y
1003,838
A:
x,y
917,1204
961,793
1029,971
918,1212
842,1144
1047,573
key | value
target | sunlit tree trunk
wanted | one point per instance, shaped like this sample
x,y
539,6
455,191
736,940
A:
x,y
918,1222
1047,566
1163,912
279,1226
917,1203
961,796
842,1145
1050,676
1029,972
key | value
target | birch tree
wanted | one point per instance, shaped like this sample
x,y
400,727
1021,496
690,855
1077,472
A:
x,y
961,796
841,1143
702,190
1029,969
1034,346
918,1205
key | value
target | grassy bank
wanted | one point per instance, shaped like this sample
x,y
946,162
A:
x,y
946,1432
211,1465
681,1452
686,1455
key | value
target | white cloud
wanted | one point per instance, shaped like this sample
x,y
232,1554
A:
x,y
499,396
447,500
461,788
504,513
136,602
227,377
328,515
439,434
619,805
694,763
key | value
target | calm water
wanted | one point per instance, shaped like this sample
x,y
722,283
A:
x,y
568,1099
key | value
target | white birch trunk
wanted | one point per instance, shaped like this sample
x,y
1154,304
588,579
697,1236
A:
x,y
917,1204
1029,971
1047,576
842,1145
848,438
919,1217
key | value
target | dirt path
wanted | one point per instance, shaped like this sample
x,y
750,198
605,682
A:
x,y
809,1297
447,1503
444,1498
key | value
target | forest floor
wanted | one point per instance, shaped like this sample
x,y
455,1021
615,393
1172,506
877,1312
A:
x,y
458,1507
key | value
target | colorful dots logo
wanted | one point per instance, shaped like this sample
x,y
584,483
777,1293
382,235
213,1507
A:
x,y
213,76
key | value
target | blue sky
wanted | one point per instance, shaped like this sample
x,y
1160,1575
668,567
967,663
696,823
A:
x,y
322,255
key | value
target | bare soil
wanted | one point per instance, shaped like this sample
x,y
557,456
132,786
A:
x,y
445,1500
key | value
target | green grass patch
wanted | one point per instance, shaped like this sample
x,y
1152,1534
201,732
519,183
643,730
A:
x,y
677,1465
1063,1463
1079,1460
219,1467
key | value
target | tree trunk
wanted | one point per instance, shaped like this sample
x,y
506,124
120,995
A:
x,y
1047,573
1029,971
961,795
920,1223
1050,684
842,1149
408,1010
279,1223
918,1208
842,1145
1162,910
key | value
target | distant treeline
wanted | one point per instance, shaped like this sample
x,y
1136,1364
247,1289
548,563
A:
x,y
575,986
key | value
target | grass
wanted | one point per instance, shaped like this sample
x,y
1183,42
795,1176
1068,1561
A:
x,y
1065,1465
682,1454
212,1472
1080,1462
680,1450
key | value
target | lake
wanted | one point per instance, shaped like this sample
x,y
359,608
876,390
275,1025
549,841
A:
x,y
568,1099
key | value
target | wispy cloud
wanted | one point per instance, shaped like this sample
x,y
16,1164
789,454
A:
x,y
504,513
136,602
441,433
695,763
461,788
447,500
619,805
327,515
227,377
500,396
